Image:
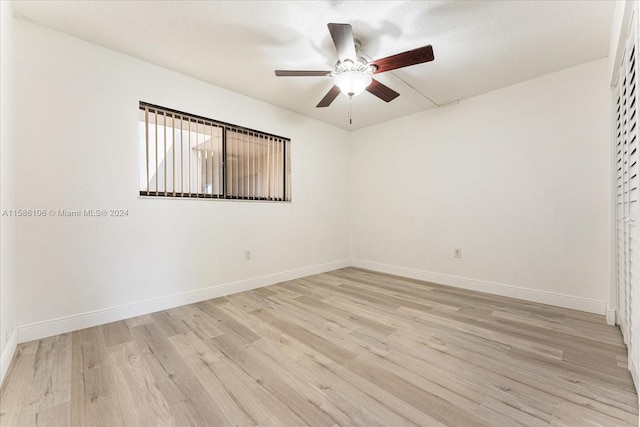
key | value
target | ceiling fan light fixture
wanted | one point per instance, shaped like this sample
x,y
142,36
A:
x,y
352,82
352,74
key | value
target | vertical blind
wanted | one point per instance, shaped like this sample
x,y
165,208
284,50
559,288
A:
x,y
184,155
627,165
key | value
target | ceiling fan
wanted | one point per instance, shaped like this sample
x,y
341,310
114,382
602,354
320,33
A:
x,y
352,74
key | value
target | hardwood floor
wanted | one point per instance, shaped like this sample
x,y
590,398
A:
x,y
349,347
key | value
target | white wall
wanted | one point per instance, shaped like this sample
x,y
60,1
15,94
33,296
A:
x,y
517,178
7,224
76,119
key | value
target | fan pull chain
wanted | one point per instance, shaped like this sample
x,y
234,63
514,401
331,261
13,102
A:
x,y
350,122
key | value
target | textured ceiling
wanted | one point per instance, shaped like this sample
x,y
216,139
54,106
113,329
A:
x,y
478,46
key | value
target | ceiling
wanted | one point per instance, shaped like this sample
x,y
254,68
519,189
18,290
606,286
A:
x,y
479,46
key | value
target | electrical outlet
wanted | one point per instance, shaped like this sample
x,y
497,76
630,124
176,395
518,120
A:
x,y
457,253
247,255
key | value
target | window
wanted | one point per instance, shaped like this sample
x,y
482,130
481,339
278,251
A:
x,y
183,155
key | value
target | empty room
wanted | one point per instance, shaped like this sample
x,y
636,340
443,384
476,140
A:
x,y
319,213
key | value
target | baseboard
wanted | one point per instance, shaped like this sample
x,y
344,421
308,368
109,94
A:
x,y
551,298
634,374
7,354
61,325
47,328
611,316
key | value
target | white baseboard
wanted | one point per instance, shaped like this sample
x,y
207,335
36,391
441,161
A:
x,y
544,297
611,316
634,374
61,325
7,354
47,328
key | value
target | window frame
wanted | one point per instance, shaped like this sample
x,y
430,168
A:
x,y
225,128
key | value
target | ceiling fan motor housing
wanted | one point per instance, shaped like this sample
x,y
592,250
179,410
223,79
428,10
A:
x,y
359,65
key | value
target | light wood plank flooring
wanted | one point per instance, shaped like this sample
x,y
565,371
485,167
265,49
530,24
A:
x,y
349,347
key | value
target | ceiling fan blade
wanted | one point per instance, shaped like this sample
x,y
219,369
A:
x,y
404,59
329,97
294,73
382,91
342,36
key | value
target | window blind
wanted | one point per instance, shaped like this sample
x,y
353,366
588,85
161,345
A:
x,y
184,155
